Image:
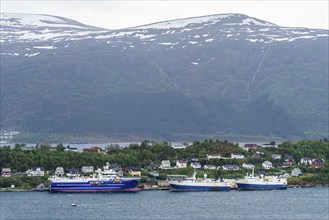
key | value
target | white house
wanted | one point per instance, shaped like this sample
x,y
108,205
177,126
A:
x,y
36,171
285,175
213,156
209,167
237,156
196,165
276,156
306,161
232,167
248,166
296,172
181,164
267,165
165,164
59,171
87,169
6,172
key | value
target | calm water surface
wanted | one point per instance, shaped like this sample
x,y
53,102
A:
x,y
293,203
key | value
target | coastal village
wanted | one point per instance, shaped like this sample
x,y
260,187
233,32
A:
x,y
157,176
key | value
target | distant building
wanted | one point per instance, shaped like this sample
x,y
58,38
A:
x,y
285,175
255,155
317,163
250,146
261,172
192,159
68,148
6,172
196,165
179,146
231,167
271,144
213,156
165,164
288,158
135,172
36,171
237,156
305,161
87,169
175,178
276,156
94,149
150,167
287,164
154,174
296,172
248,166
209,167
59,171
267,165
181,164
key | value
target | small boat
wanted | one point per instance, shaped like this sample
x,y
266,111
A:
x,y
194,184
103,181
251,182
73,204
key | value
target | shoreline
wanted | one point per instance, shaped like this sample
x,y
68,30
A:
x,y
152,189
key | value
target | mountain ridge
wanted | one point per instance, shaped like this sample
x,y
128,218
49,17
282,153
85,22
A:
x,y
200,78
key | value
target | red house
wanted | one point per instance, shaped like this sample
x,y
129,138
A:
x,y
317,163
250,146
6,172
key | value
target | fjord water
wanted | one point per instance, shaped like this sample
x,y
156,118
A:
x,y
293,203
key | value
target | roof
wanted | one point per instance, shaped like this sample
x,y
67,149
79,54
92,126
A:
x,y
230,165
134,169
305,158
317,160
35,168
250,145
249,164
74,171
6,170
209,165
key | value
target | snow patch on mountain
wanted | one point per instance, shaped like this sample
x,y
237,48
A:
x,y
17,27
36,20
45,47
209,29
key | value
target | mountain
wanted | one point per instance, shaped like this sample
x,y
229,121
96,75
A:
x,y
211,75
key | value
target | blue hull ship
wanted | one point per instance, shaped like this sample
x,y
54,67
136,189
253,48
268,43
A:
x,y
104,182
248,186
193,184
261,183
188,187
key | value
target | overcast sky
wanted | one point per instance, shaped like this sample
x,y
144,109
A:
x,y
122,14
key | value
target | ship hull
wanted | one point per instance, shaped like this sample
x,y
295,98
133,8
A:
x,y
101,186
249,186
198,187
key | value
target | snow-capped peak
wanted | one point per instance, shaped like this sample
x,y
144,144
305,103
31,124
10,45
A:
x,y
37,27
224,19
37,20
